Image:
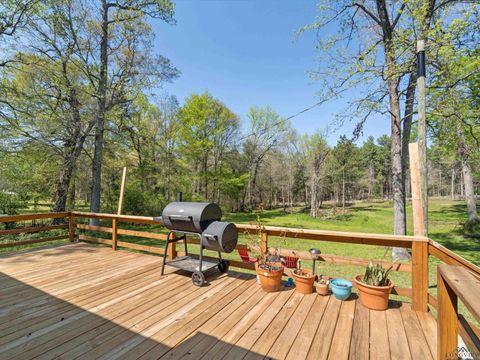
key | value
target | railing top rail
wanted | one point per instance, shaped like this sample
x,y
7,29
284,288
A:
x,y
25,217
464,284
337,236
449,257
126,218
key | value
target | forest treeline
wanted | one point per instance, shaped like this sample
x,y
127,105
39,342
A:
x,y
77,80
202,149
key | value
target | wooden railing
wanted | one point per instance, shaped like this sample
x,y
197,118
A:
x,y
456,282
33,228
418,245
421,247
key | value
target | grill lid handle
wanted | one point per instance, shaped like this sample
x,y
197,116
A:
x,y
180,217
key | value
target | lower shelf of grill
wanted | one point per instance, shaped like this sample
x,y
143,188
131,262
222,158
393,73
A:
x,y
191,264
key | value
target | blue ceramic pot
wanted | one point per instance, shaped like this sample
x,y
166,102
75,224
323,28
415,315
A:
x,y
341,288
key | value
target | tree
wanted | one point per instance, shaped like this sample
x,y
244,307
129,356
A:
x,y
208,132
46,98
267,131
455,105
369,153
346,161
316,150
125,63
14,15
375,49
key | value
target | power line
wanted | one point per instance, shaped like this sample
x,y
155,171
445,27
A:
x,y
305,110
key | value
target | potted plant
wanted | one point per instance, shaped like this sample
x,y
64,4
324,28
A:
x,y
269,268
374,287
341,288
322,285
269,273
304,279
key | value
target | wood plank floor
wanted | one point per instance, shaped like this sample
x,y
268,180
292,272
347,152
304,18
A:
x,y
83,302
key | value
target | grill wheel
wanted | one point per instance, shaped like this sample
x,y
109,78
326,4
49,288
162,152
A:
x,y
198,279
223,266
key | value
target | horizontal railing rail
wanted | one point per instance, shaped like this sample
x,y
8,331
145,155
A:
x,y
34,228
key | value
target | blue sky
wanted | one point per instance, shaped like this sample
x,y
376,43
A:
x,y
245,53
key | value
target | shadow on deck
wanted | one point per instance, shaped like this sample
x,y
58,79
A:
x,y
80,301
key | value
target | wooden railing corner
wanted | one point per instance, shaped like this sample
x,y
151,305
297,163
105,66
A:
x,y
114,233
71,226
420,275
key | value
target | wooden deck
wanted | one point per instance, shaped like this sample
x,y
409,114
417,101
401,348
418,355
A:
x,y
79,301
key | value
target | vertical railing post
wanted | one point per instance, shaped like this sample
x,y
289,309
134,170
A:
x,y
114,233
264,241
420,275
71,227
172,249
447,322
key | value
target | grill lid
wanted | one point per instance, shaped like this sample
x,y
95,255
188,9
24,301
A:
x,y
190,216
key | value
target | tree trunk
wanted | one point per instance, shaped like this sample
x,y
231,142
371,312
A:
x,y
470,197
100,118
313,197
398,189
63,182
71,196
398,186
343,190
452,183
371,180
253,184
71,151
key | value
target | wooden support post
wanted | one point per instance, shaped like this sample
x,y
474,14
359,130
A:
x,y
419,249
264,242
114,233
71,227
422,132
420,276
447,321
122,191
172,249
417,203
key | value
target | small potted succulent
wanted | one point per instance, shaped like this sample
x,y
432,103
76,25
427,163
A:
x,y
322,285
374,287
304,279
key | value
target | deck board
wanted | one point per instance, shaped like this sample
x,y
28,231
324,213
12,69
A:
x,y
80,302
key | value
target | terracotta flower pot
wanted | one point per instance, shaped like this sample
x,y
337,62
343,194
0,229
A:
x,y
373,297
304,282
270,280
322,289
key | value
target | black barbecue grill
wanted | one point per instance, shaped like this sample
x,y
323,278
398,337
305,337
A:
x,y
201,220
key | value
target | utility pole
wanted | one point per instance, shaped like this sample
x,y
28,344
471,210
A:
x,y
422,131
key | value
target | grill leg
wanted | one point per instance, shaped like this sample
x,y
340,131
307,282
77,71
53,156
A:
x,y
165,253
185,242
201,255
